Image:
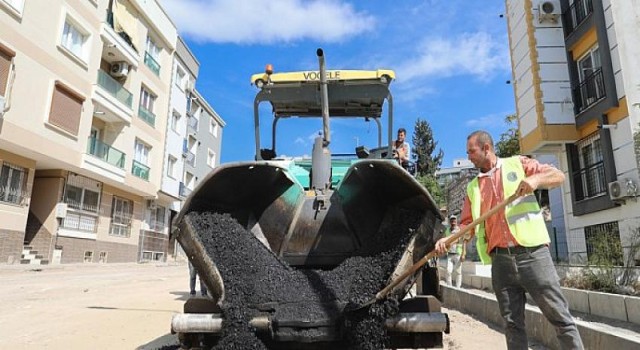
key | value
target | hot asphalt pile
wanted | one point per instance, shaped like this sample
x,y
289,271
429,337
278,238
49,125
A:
x,y
255,279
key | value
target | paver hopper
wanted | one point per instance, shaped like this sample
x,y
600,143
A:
x,y
314,214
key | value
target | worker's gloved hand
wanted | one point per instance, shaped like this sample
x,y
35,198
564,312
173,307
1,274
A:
x,y
441,246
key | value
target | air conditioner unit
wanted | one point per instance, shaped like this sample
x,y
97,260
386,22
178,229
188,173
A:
x,y
621,189
549,10
119,69
151,204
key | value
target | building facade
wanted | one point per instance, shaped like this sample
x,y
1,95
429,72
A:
x,y
85,91
576,92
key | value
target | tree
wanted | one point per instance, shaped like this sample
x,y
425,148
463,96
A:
x,y
509,144
423,147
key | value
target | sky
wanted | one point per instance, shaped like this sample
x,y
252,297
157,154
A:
x,y
451,60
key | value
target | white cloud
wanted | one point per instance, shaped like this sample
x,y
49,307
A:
x,y
300,141
494,120
476,54
264,22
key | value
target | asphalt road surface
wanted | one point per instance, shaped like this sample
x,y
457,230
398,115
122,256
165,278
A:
x,y
129,306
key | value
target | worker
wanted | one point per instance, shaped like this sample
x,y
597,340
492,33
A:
x,y
192,282
515,241
456,254
401,149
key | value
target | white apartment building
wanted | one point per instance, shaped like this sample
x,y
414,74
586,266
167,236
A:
x,y
85,89
576,85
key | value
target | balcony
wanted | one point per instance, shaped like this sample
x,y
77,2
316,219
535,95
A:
x,y
151,62
184,190
113,103
104,160
117,46
590,91
140,170
147,116
192,122
105,152
576,14
590,182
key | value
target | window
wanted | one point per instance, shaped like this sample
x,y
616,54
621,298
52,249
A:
x,y
13,5
145,110
171,167
590,179
82,196
591,86
146,256
175,121
211,158
157,256
74,39
88,256
103,257
152,56
13,182
180,74
66,109
142,152
603,243
5,69
157,218
213,127
121,214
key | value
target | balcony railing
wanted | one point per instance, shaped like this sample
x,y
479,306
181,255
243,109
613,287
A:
x,y
151,63
576,14
590,91
184,190
115,88
79,221
140,170
105,152
192,122
590,181
147,116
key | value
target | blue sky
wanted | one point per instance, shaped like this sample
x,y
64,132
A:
x,y
451,61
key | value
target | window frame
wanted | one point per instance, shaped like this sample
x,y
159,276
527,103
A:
x,y
124,215
85,216
213,127
211,158
82,56
20,193
11,6
171,166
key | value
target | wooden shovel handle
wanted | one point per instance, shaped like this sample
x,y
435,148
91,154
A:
x,y
454,237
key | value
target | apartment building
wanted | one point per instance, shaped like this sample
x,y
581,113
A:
x,y
194,134
575,79
85,89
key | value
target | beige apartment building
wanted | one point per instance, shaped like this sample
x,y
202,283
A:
x,y
84,97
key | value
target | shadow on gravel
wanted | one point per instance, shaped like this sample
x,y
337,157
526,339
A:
x,y
165,342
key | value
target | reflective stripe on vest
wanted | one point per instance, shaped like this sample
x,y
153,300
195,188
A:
x,y
523,215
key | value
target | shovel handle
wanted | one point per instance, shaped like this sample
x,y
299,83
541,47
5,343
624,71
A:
x,y
454,237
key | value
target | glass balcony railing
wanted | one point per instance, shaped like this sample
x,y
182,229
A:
x,y
115,88
105,152
192,122
147,116
151,62
184,190
140,170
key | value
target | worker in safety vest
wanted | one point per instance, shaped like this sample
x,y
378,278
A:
x,y
456,254
515,241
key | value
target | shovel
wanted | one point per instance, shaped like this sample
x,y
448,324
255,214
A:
x,y
454,237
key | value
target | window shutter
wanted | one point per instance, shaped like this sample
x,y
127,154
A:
x,y
5,67
66,109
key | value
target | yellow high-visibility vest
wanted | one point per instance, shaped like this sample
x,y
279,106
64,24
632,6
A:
x,y
523,215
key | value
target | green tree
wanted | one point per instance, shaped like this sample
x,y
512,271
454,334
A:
x,y
509,144
431,184
424,146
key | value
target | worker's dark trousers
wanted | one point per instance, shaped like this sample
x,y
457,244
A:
x,y
533,272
